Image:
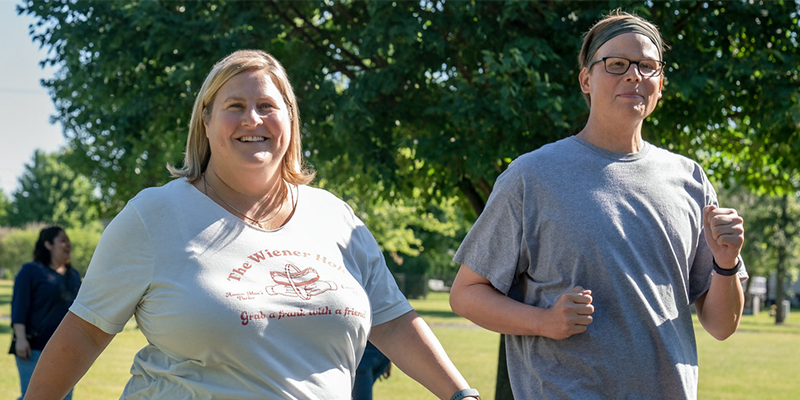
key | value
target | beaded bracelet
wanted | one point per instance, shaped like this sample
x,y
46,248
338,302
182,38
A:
x,y
471,392
727,272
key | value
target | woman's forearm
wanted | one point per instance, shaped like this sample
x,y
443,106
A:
x,y
720,309
67,356
19,330
411,345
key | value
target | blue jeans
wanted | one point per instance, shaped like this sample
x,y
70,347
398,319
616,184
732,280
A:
x,y
26,368
373,364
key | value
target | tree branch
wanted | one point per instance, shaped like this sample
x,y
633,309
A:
x,y
311,41
472,195
354,60
484,187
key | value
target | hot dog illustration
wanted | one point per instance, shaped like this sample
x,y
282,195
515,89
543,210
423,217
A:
x,y
294,282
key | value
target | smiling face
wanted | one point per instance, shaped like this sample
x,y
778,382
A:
x,y
249,126
60,249
629,95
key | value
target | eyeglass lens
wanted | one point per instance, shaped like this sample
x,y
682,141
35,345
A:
x,y
619,66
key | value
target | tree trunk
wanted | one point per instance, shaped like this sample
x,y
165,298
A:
x,y
471,194
503,384
502,389
748,300
780,273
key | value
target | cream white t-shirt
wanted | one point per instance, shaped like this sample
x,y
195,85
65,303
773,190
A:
x,y
231,311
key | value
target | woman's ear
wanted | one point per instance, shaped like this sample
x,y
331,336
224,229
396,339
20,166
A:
x,y
205,117
583,79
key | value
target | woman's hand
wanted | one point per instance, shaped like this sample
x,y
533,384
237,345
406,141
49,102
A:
x,y
386,374
724,234
571,314
23,348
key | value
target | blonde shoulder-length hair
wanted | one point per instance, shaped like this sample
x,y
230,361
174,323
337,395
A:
x,y
198,152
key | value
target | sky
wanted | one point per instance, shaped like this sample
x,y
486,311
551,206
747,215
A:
x,y
25,106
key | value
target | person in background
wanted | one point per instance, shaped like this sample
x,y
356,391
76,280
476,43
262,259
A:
x,y
246,282
592,249
373,365
43,292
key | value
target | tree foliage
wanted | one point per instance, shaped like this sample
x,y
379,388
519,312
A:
x,y
732,101
773,244
410,108
5,206
465,86
766,232
51,192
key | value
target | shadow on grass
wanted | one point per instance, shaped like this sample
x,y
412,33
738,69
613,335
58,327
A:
x,y
438,314
788,327
6,290
5,299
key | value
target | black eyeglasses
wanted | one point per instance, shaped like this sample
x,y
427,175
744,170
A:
x,y
619,66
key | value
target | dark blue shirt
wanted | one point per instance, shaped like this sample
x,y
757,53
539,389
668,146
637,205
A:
x,y
37,290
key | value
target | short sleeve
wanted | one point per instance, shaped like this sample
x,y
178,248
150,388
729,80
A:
x,y
493,246
118,275
386,299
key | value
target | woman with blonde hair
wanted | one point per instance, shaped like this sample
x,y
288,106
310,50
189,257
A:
x,y
246,282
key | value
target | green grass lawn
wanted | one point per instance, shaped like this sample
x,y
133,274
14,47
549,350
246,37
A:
x,y
760,361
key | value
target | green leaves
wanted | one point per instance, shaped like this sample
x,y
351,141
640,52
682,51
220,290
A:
x,y
733,88
418,102
51,192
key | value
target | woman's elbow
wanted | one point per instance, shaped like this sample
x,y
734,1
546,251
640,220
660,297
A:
x,y
457,300
721,329
723,333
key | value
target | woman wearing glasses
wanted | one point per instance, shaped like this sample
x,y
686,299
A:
x,y
592,249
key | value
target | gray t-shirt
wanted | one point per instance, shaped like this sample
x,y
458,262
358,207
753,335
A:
x,y
626,226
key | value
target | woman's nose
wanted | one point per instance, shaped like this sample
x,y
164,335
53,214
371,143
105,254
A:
x,y
636,75
251,118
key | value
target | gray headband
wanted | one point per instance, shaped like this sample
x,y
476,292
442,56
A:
x,y
627,25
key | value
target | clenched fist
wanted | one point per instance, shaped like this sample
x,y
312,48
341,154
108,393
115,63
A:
x,y
724,230
571,314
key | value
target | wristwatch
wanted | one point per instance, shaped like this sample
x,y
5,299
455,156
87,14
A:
x,y
463,393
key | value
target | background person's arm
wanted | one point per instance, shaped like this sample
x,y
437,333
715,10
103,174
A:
x,y
67,356
23,347
475,298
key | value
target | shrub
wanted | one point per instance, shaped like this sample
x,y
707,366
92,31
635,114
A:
x,y
84,241
16,247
